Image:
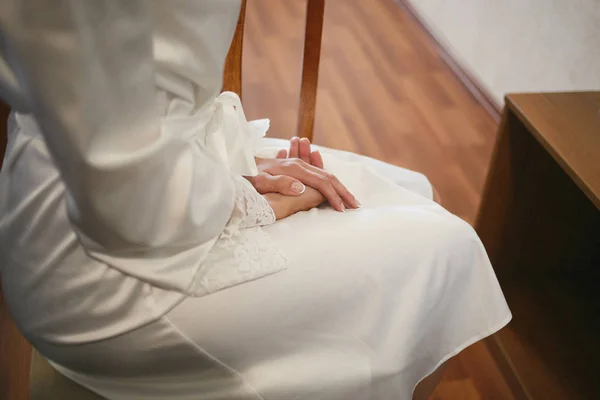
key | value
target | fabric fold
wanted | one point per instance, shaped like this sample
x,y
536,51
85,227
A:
x,y
232,138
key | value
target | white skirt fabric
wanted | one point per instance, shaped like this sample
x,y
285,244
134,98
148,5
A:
x,y
373,301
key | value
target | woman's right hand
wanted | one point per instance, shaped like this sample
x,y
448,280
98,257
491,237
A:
x,y
301,148
284,206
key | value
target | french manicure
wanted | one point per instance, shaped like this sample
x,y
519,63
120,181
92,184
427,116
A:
x,y
298,187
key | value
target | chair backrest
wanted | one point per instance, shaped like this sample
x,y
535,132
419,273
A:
x,y
232,79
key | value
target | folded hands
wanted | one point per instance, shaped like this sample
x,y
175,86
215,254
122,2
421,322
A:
x,y
296,181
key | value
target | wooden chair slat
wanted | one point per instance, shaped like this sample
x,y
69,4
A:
x,y
232,75
310,67
313,31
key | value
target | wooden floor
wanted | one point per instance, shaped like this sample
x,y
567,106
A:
x,y
383,92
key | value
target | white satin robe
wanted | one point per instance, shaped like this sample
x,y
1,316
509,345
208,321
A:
x,y
140,263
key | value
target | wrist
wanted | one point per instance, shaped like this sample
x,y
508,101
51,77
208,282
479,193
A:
x,y
278,204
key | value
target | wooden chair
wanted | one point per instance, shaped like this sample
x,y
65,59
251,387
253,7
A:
x,y
232,79
24,373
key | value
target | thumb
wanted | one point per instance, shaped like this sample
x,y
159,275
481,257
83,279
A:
x,y
283,184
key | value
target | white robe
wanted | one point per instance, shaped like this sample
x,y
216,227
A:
x,y
137,260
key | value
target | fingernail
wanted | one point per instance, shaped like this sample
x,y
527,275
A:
x,y
298,187
343,207
358,205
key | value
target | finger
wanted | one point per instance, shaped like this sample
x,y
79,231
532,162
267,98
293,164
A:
x,y
286,185
319,182
282,153
318,179
323,185
340,189
294,147
304,150
316,159
312,198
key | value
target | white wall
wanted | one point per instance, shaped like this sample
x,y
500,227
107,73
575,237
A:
x,y
520,45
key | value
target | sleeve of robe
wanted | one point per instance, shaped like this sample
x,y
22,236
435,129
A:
x,y
144,201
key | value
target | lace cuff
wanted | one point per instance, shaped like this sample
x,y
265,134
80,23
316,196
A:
x,y
250,209
243,252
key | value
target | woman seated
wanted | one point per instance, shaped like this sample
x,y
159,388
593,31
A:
x,y
154,248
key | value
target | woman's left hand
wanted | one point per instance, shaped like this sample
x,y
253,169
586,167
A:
x,y
304,167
